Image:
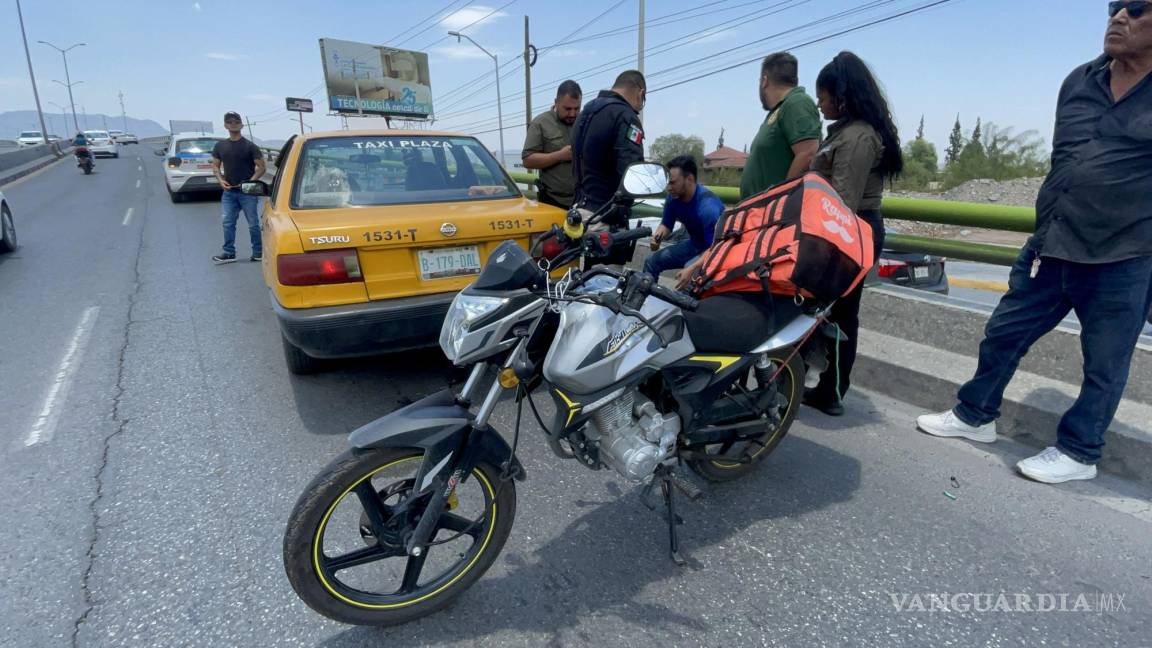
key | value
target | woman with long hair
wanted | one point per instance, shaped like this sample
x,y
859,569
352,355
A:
x,y
862,150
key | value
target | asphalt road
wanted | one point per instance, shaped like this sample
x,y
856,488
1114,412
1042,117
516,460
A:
x,y
153,445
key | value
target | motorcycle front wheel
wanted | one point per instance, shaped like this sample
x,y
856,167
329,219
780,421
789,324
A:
x,y
789,389
344,548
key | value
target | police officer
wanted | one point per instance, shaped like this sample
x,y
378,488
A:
x,y
606,139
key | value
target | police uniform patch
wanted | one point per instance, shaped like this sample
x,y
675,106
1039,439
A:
x,y
635,135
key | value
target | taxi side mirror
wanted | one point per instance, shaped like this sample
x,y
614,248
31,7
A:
x,y
160,152
254,188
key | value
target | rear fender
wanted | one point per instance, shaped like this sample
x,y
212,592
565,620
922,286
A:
x,y
792,333
440,427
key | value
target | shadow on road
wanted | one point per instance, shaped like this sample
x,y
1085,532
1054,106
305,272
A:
x,y
350,393
604,561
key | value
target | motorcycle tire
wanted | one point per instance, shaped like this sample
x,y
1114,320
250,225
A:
x,y
87,169
313,572
790,385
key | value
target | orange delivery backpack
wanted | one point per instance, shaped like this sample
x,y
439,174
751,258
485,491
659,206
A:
x,y
797,238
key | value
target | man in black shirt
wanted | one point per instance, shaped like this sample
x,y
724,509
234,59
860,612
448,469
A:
x,y
236,161
1092,254
605,140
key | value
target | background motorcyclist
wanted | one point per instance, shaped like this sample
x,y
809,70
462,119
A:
x,y
81,144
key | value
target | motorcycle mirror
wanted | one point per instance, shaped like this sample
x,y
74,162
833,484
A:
x,y
644,180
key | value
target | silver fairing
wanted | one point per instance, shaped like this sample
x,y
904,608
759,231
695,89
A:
x,y
595,348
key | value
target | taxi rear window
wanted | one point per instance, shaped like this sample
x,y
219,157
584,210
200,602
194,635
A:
x,y
396,170
196,145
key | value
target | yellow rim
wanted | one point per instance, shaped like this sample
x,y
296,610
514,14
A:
x,y
391,606
730,466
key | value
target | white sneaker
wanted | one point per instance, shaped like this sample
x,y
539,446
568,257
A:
x,y
946,424
1054,467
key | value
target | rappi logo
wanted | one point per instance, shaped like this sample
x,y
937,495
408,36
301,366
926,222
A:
x,y
837,226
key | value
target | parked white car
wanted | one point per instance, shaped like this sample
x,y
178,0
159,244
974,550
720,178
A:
x,y
7,227
188,164
30,138
101,143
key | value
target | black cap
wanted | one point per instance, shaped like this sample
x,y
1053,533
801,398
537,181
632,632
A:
x,y
232,115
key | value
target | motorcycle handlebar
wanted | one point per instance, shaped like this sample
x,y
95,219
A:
x,y
678,299
631,235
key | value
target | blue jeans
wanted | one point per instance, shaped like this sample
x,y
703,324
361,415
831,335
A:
x,y
1110,299
233,201
672,257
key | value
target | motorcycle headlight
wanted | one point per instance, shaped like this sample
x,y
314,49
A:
x,y
465,310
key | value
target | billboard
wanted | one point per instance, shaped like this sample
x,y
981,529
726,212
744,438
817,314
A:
x,y
376,80
298,105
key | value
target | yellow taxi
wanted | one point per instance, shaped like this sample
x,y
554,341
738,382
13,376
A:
x,y
368,235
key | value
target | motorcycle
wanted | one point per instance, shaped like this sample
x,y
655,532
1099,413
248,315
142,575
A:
x,y
84,159
422,503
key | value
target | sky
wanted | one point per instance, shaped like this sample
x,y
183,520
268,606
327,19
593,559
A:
x,y
999,60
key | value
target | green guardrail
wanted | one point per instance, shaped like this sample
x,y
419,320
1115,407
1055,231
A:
x,y
942,212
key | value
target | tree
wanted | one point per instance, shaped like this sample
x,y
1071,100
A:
x,y
920,131
998,154
727,177
955,144
666,147
921,165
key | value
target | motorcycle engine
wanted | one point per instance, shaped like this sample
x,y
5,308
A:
x,y
632,435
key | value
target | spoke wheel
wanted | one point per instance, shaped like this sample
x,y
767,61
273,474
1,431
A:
x,y
344,549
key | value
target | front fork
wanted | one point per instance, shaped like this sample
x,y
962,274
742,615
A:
x,y
455,465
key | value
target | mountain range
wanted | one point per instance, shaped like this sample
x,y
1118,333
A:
x,y
15,121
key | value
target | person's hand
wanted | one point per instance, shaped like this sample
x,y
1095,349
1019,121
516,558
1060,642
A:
x,y
684,277
224,184
658,236
564,154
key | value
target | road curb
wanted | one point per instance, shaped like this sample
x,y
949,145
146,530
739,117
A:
x,y
1033,405
12,175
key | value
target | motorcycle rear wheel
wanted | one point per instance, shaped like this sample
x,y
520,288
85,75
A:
x,y
790,388
382,478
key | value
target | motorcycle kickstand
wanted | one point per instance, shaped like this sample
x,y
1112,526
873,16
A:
x,y
669,492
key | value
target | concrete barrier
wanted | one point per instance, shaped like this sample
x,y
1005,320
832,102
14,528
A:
x,y
13,159
17,164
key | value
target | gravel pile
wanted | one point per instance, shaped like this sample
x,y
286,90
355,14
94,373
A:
x,y
1020,192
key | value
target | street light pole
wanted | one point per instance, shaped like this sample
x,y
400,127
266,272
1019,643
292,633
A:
x,y
69,86
499,100
68,77
32,74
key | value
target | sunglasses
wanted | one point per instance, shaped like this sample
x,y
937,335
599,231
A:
x,y
1136,8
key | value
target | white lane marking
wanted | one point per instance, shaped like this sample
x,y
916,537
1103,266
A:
x,y
127,216
137,184
139,167
45,424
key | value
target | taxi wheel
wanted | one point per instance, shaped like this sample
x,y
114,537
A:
x,y
299,363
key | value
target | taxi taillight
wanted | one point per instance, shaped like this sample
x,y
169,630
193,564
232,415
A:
x,y
317,268
174,162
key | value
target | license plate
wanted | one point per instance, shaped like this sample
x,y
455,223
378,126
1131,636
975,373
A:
x,y
449,262
920,272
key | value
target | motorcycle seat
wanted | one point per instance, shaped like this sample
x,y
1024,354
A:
x,y
738,322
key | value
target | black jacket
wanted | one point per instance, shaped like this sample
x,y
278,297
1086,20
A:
x,y
607,138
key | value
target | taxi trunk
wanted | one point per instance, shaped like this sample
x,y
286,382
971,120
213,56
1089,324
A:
x,y
404,251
